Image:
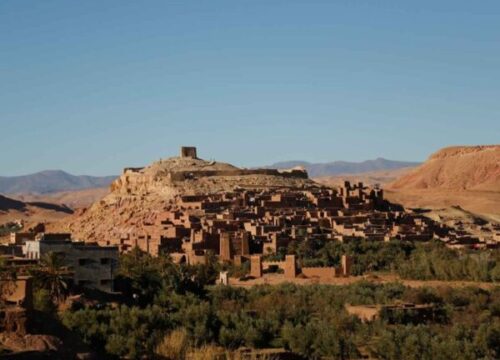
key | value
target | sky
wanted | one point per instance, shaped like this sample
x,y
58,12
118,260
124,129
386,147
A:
x,y
91,87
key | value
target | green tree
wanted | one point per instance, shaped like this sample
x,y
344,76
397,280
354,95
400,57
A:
x,y
52,274
42,301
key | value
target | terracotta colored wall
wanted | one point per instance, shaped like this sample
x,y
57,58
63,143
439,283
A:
x,y
256,266
290,267
321,272
225,246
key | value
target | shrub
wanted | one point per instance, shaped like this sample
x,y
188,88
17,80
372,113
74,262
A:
x,y
174,345
42,301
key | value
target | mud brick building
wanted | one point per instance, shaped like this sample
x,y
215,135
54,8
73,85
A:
x,y
235,225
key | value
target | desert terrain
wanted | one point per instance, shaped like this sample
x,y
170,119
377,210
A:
x,y
74,199
371,178
468,177
465,177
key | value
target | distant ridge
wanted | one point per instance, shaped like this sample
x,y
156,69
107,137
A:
x,y
50,181
456,168
345,167
8,204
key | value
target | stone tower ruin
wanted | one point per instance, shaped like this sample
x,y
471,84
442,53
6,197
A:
x,y
188,152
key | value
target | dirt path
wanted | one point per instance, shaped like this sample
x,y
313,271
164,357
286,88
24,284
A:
x,y
276,279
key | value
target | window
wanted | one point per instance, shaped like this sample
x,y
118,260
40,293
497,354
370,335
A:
x,y
84,262
105,261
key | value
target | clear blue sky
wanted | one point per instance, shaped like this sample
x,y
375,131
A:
x,y
94,86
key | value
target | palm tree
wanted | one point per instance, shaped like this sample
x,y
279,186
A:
x,y
52,274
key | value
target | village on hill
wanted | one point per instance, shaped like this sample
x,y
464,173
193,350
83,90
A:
x,y
250,226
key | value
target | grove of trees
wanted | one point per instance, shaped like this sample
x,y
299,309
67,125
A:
x,y
167,310
421,261
308,320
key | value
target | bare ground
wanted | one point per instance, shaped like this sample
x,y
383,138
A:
x,y
276,279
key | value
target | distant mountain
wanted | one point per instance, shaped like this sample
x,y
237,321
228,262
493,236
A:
x,y
345,167
50,181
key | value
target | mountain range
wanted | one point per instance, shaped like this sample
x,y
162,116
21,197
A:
x,y
345,167
50,181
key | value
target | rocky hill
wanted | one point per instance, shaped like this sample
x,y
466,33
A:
x,y
456,168
140,194
464,176
50,181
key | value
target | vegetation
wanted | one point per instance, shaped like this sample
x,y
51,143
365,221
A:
x,y
9,227
435,261
43,301
177,314
51,274
420,261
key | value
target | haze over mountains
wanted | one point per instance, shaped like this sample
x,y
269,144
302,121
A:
x,y
345,167
50,181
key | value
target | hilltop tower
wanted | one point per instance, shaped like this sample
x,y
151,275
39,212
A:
x,y
188,152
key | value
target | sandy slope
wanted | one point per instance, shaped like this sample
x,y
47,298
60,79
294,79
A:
x,y
74,199
371,178
32,212
456,168
484,203
467,176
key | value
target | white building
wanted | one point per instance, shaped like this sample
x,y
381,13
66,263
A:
x,y
92,266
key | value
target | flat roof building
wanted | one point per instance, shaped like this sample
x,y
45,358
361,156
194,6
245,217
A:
x,y
92,266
